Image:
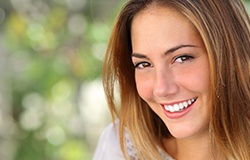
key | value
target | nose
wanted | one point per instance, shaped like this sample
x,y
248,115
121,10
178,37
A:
x,y
165,84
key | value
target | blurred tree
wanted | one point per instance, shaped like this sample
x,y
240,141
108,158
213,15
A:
x,y
51,50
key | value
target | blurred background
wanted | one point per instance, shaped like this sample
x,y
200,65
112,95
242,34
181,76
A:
x,y
52,105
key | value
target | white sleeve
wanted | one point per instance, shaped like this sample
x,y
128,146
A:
x,y
108,147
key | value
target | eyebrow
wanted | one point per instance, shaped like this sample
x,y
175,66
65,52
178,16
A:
x,y
171,50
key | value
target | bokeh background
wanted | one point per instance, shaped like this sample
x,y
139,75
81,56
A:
x,y
52,105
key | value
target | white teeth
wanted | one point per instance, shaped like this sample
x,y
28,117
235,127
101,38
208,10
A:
x,y
166,108
171,109
180,106
185,104
176,107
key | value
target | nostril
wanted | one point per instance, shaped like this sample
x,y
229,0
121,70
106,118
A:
x,y
160,92
164,82
165,89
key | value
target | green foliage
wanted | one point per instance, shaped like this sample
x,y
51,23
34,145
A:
x,y
51,49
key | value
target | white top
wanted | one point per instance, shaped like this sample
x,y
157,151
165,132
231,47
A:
x,y
108,147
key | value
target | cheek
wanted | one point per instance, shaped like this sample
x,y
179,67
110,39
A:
x,y
199,83
202,78
144,87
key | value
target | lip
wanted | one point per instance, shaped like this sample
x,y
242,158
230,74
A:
x,y
179,114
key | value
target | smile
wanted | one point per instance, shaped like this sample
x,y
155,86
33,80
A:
x,y
180,106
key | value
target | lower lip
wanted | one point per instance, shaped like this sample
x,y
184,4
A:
x,y
177,115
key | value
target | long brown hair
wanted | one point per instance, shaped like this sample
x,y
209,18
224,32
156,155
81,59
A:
x,y
225,29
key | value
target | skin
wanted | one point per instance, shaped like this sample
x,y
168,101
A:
x,y
171,67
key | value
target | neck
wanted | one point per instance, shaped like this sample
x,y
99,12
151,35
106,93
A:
x,y
189,149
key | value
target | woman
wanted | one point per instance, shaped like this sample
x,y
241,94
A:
x,y
182,69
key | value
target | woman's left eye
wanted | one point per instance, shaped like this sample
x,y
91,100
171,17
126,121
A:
x,y
183,58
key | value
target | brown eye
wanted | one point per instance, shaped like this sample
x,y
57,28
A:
x,y
183,58
142,65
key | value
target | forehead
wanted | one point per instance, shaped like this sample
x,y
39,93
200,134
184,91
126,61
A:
x,y
164,11
157,29
157,21
160,17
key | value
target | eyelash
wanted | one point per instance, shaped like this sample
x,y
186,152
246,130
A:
x,y
137,65
182,58
179,59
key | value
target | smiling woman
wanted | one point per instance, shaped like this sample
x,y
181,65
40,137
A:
x,y
183,70
167,70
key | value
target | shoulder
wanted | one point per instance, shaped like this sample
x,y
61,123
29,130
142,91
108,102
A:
x,y
108,146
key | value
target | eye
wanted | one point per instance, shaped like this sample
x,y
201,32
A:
x,y
183,58
142,65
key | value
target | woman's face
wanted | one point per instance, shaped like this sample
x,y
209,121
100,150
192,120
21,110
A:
x,y
172,70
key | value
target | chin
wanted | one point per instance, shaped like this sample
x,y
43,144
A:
x,y
185,131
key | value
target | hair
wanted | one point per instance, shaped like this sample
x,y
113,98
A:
x,y
225,30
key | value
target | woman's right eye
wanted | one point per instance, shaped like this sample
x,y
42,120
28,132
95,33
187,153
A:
x,y
142,65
